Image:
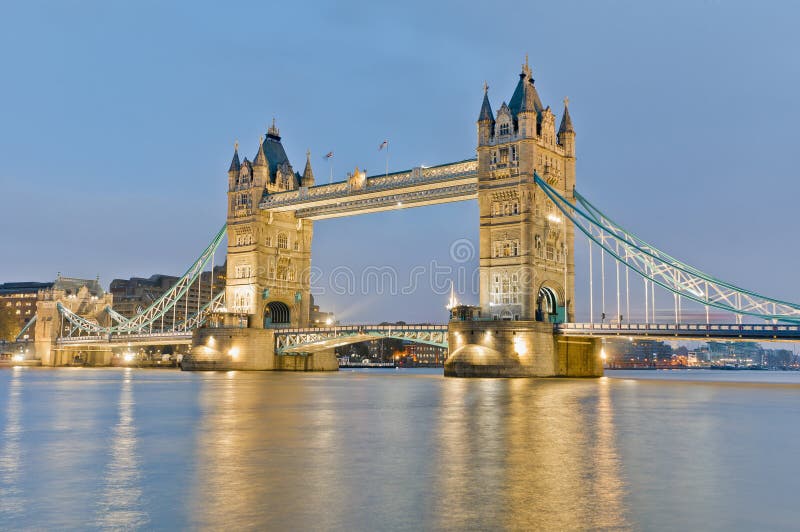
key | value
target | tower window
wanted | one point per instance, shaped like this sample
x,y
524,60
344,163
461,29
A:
x,y
504,128
268,241
283,241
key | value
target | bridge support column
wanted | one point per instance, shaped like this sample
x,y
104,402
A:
x,y
227,348
518,349
317,361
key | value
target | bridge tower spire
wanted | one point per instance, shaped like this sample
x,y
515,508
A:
x,y
269,253
527,270
308,173
526,263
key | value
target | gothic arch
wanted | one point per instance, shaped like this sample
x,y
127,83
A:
x,y
549,304
276,314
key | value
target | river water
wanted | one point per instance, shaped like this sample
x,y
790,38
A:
x,y
398,450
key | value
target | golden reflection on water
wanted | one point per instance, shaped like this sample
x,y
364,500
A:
x,y
12,501
337,452
526,454
120,504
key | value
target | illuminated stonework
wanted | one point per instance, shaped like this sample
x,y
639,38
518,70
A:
x,y
526,261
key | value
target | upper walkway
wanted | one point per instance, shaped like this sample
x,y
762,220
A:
x,y
411,188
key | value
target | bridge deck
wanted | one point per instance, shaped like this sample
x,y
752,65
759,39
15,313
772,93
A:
x,y
411,188
700,331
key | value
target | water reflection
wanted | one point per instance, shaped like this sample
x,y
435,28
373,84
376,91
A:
x,y
12,501
392,450
121,504
526,454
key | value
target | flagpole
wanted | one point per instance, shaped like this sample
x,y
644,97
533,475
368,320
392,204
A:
x,y
387,159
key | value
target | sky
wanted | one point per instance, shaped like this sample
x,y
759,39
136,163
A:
x,y
117,124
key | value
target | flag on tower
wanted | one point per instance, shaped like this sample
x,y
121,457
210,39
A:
x,y
384,144
329,155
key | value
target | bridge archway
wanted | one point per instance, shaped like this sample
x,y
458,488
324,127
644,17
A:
x,y
547,307
276,314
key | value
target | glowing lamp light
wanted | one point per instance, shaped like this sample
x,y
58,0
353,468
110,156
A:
x,y
328,321
210,341
233,352
519,346
603,355
127,357
553,218
18,358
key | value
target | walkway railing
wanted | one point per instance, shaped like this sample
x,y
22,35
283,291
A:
x,y
700,330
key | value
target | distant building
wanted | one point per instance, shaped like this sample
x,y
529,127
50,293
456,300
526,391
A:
x,y
425,354
318,318
635,353
21,297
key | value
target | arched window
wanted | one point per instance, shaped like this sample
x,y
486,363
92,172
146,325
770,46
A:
x,y
268,241
243,271
283,241
297,245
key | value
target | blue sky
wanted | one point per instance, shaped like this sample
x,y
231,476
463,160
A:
x,y
117,122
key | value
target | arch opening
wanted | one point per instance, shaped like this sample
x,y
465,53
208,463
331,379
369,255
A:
x,y
547,307
276,314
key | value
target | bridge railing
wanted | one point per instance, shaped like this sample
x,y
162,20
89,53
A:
x,y
708,329
340,329
89,338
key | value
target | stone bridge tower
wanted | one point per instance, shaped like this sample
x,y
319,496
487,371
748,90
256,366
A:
x,y
269,253
527,267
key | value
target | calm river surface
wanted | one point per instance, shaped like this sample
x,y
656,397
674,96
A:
x,y
398,450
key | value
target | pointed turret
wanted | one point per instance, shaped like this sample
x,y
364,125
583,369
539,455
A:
x,y
308,173
235,162
233,171
486,108
566,133
485,118
261,158
260,165
566,120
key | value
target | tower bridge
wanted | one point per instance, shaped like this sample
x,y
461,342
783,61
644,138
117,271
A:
x,y
524,180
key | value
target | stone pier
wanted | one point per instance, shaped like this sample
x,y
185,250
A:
x,y
230,346
493,348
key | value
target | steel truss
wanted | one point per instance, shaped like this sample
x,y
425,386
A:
x,y
423,334
662,269
148,319
25,329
